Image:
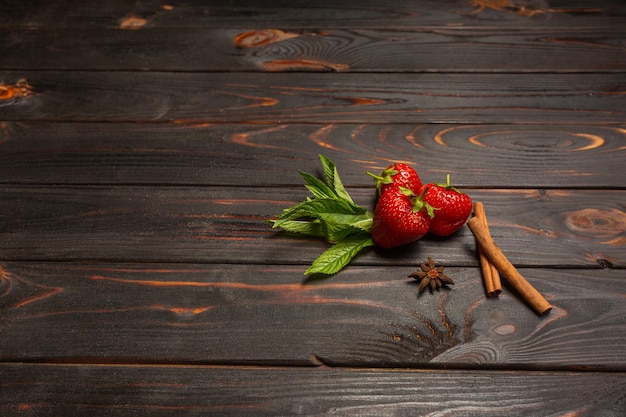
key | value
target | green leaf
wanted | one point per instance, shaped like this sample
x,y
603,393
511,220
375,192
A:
x,y
314,208
339,255
332,226
304,227
329,170
335,233
317,187
348,218
358,222
332,214
332,178
290,213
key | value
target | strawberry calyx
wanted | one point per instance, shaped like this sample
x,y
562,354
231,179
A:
x,y
448,186
417,201
397,174
384,178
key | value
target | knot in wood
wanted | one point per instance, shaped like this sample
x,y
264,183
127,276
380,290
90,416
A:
x,y
18,90
595,222
261,37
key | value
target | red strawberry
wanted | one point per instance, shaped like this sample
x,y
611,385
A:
x,y
452,207
400,217
397,174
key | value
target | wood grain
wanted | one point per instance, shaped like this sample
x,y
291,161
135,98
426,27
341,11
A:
x,y
409,50
143,146
226,391
262,314
476,156
318,98
301,13
215,224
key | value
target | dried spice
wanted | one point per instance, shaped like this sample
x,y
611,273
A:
x,y
432,276
506,268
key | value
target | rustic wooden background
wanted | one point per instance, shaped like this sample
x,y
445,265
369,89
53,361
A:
x,y
143,146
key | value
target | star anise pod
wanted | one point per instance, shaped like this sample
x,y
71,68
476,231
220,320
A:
x,y
431,276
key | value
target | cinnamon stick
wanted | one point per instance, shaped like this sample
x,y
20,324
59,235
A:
x,y
506,268
491,276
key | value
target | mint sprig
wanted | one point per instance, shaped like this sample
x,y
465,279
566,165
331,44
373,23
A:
x,y
339,255
330,214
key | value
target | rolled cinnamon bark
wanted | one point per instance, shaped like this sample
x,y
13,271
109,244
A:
x,y
491,276
506,268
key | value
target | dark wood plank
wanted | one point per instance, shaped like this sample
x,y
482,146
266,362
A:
x,y
303,13
519,156
217,224
176,49
253,314
318,98
154,391
143,144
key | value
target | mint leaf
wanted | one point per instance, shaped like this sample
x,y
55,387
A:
x,y
317,187
336,232
329,170
333,226
316,207
339,255
362,221
332,178
304,227
331,214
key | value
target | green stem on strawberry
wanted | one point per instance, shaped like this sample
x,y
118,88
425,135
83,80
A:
x,y
397,174
330,214
418,201
449,186
384,178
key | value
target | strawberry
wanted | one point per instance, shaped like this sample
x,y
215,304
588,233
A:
x,y
397,174
400,217
452,207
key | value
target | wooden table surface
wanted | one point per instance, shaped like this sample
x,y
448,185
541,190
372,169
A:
x,y
143,146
